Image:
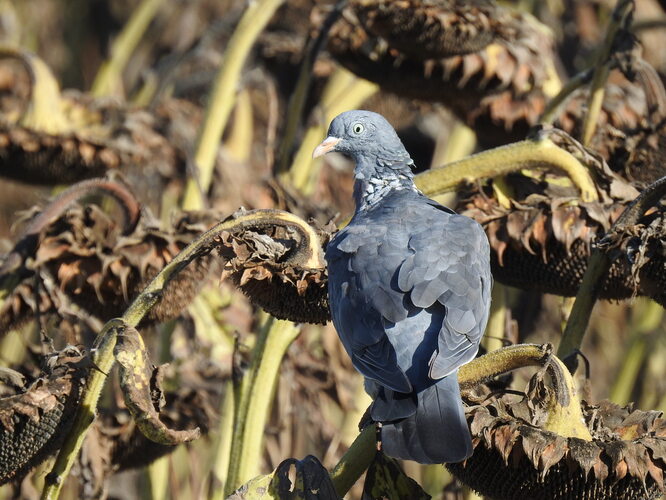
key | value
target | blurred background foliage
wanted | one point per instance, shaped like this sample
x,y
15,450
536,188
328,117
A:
x,y
147,70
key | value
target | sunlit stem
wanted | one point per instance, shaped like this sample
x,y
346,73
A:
x,y
299,96
223,446
281,334
619,20
343,92
222,97
109,75
553,108
355,461
645,318
492,339
241,403
541,153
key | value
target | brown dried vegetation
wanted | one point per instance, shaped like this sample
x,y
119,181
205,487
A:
x,y
493,68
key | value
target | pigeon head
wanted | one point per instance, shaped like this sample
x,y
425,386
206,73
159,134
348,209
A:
x,y
370,141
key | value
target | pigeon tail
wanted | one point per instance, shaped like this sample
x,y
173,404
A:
x,y
437,433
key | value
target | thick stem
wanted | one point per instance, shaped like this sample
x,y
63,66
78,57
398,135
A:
x,y
280,336
223,446
109,75
222,97
540,153
504,360
241,403
102,359
620,21
355,461
238,144
494,336
343,92
597,267
300,94
552,109
646,316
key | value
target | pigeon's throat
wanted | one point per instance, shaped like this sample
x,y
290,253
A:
x,y
368,192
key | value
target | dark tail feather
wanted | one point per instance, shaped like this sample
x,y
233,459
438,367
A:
x,y
437,433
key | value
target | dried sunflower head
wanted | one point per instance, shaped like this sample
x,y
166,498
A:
x,y
264,267
35,421
83,259
494,68
630,133
516,458
542,237
49,137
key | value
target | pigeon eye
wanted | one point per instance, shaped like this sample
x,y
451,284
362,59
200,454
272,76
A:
x,y
358,128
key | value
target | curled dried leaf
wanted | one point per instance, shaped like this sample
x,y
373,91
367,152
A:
x,y
140,382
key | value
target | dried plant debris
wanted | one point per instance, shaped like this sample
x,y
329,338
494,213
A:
x,y
515,458
90,136
545,247
496,77
83,259
631,130
263,266
293,479
35,421
115,442
542,237
386,479
141,384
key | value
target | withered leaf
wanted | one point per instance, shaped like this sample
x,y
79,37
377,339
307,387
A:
x,y
137,382
385,479
302,479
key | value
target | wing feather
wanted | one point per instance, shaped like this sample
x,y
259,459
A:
x,y
417,255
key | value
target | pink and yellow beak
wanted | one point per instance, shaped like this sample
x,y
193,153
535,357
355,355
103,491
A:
x,y
326,146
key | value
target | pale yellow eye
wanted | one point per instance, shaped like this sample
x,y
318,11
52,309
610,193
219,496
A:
x,y
358,128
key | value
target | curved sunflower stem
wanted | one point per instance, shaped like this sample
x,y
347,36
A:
x,y
343,92
307,255
222,97
355,461
109,75
531,153
245,458
565,406
504,360
620,21
44,112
